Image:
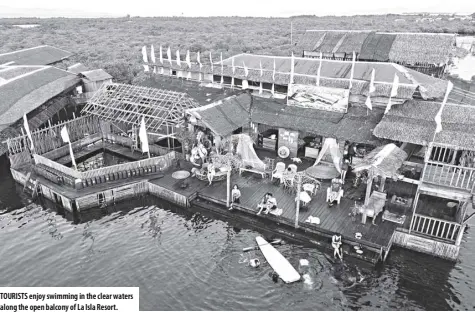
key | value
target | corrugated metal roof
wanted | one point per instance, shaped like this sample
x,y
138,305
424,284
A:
x,y
40,55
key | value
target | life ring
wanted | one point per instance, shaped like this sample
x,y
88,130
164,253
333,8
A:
x,y
283,152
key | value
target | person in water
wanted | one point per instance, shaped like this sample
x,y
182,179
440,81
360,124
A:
x,y
235,195
336,244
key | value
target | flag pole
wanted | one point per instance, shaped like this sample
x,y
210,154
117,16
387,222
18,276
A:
x,y
72,155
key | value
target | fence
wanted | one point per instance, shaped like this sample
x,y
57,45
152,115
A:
x,y
449,175
435,227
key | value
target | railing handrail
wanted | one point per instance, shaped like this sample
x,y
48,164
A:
x,y
436,219
449,165
126,166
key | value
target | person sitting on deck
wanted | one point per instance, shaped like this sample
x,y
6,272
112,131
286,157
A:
x,y
268,203
211,173
336,244
235,195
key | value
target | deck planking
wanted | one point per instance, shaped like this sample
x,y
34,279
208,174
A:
x,y
334,219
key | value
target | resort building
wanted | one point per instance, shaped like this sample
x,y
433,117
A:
x,y
428,53
45,93
253,120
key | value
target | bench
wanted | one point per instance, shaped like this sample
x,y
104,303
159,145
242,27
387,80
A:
x,y
253,170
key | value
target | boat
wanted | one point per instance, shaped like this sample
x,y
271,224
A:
x,y
278,262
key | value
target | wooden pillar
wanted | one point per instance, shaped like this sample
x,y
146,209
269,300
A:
x,y
297,209
381,186
228,187
416,199
369,184
460,234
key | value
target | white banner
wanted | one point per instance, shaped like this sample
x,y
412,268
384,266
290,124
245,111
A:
x,y
65,299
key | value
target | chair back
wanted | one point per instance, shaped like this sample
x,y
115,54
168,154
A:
x,y
280,167
293,168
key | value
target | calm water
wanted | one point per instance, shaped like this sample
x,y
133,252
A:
x,y
185,261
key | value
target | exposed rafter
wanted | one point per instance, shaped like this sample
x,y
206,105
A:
x,y
128,104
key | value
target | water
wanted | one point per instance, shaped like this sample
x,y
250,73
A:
x,y
190,261
99,159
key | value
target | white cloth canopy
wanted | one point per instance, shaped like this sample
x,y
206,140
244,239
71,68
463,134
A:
x,y
246,150
332,145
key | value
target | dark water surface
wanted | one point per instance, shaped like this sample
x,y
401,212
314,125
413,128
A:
x,y
187,260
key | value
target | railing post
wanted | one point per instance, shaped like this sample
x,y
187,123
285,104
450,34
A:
x,y
416,199
460,234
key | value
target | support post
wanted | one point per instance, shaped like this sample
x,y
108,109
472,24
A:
x,y
460,234
297,209
369,184
228,187
381,186
416,199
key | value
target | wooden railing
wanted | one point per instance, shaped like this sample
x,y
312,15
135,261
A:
x,y
435,227
162,161
40,160
449,175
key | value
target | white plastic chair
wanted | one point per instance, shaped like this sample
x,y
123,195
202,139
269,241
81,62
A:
x,y
340,191
278,171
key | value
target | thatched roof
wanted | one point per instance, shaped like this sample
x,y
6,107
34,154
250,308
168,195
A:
x,y
224,116
384,160
407,48
40,55
95,75
333,74
22,94
227,115
413,48
413,122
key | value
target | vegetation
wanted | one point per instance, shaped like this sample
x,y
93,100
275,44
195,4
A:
x,y
115,43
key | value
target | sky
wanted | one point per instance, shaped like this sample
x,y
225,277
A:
x,y
98,8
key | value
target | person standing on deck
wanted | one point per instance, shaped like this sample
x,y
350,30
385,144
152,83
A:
x,y
336,244
344,169
352,151
211,173
235,195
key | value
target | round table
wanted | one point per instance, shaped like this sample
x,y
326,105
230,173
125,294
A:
x,y
180,175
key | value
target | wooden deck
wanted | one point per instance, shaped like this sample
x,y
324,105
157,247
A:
x,y
334,219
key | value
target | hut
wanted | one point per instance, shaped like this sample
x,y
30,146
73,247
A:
x,y
43,93
428,53
94,79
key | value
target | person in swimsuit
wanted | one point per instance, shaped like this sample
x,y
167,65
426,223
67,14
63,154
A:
x,y
336,244
268,203
211,173
235,195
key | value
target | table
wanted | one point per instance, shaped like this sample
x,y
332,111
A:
x,y
304,197
309,187
180,175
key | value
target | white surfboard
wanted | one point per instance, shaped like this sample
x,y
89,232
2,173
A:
x,y
275,259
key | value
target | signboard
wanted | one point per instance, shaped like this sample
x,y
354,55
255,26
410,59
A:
x,y
317,97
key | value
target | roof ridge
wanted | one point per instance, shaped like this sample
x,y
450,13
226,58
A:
x,y
27,49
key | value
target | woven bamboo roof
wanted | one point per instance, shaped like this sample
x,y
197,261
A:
x,y
407,48
384,160
129,103
414,123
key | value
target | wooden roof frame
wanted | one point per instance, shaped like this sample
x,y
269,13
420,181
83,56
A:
x,y
129,103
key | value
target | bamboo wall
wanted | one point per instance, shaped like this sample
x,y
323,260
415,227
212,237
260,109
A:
x,y
168,195
20,159
112,196
425,245
40,160
18,176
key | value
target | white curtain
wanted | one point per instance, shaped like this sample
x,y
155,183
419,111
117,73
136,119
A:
x,y
246,150
332,145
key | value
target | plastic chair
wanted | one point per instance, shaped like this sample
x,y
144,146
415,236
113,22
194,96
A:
x,y
278,171
336,183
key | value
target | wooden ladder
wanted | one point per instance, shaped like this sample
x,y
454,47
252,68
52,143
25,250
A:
x,y
134,138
